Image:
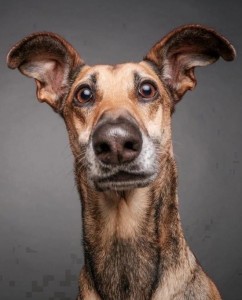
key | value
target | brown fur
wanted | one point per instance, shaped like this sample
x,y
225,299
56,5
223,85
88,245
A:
x,y
133,241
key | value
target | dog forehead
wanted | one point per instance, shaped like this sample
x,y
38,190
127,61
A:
x,y
119,75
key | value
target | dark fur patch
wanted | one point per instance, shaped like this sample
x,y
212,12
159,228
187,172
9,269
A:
x,y
128,269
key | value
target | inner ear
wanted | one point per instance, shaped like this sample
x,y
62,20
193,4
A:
x,y
185,48
50,60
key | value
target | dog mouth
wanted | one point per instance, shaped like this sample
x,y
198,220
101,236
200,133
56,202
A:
x,y
123,180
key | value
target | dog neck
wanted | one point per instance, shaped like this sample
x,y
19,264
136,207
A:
x,y
131,238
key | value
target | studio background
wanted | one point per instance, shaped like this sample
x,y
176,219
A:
x,y
40,214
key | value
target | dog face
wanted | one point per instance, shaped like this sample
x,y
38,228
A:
x,y
121,117
118,117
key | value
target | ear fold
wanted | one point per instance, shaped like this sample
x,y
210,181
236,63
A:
x,y
50,60
185,48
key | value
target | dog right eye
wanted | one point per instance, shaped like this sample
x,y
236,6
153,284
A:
x,y
84,95
147,91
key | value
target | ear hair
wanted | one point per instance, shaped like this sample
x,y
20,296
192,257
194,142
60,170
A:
x,y
183,49
50,60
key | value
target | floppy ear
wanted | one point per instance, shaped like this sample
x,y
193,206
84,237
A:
x,y
50,60
185,48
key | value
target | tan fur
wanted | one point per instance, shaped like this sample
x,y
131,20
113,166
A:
x,y
134,245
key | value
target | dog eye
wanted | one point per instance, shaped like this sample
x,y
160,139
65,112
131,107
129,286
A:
x,y
147,90
84,95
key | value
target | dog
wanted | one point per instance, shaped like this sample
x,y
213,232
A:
x,y
118,118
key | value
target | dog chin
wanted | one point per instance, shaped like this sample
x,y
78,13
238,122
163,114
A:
x,y
123,181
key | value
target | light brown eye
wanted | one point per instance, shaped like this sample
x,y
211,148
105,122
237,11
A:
x,y
84,95
147,90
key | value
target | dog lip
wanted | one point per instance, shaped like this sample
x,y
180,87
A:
x,y
123,176
123,180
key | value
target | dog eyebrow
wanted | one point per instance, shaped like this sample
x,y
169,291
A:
x,y
137,79
93,79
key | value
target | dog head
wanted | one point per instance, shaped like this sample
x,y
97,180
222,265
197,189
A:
x,y
118,117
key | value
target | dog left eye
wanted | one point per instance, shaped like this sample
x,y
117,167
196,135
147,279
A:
x,y
84,95
147,90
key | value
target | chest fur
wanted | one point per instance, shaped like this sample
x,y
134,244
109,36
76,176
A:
x,y
129,269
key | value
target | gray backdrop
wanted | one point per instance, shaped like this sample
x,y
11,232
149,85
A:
x,y
40,223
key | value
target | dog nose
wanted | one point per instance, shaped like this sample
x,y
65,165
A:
x,y
117,141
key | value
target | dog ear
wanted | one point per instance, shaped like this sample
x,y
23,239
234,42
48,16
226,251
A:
x,y
50,60
183,49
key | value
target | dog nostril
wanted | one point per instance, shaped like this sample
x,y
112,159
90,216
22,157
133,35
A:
x,y
131,146
102,148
